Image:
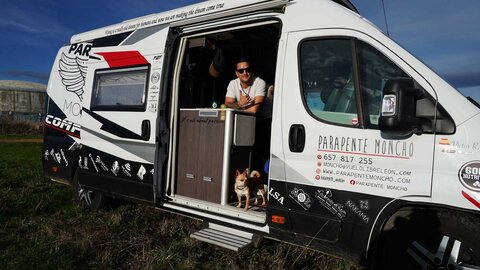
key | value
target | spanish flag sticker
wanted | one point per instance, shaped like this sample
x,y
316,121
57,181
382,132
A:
x,y
444,141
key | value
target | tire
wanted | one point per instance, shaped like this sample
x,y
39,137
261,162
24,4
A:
x,y
430,239
88,199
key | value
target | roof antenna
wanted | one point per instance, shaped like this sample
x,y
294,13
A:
x,y
385,18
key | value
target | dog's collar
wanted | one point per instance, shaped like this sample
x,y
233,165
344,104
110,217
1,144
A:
x,y
240,187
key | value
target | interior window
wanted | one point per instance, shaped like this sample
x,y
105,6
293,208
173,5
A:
x,y
327,78
121,89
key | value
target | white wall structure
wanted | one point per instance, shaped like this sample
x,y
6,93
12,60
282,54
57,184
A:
x,y
22,100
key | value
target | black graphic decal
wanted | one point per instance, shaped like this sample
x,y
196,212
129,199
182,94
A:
x,y
113,128
73,71
63,125
113,40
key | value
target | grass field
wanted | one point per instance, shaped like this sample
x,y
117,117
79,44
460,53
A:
x,y
41,228
20,137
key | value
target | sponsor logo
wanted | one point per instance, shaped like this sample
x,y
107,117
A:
x,y
155,77
63,125
126,169
358,211
152,107
302,198
364,204
83,163
63,157
141,172
115,168
469,175
102,164
324,197
276,195
58,158
93,162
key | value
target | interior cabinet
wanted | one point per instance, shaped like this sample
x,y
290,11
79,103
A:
x,y
212,144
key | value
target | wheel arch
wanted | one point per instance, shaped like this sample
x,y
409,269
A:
x,y
447,217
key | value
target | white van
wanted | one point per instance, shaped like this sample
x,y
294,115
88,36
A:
x,y
366,154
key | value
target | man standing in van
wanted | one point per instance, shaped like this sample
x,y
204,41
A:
x,y
246,92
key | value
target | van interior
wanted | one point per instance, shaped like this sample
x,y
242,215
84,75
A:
x,y
213,143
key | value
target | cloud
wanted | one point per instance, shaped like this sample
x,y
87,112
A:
x,y
37,24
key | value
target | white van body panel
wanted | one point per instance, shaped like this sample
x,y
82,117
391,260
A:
x,y
452,153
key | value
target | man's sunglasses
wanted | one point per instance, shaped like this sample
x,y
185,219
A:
x,y
242,70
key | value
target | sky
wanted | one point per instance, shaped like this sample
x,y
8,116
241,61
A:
x,y
442,33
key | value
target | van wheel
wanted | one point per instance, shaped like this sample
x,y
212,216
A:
x,y
439,241
89,199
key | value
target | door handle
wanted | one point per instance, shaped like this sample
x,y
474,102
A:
x,y
146,130
296,138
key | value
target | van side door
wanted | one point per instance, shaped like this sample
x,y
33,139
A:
x,y
340,170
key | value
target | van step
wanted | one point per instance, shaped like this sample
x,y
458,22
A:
x,y
224,237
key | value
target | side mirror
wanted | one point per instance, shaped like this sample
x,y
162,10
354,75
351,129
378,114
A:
x,y
398,115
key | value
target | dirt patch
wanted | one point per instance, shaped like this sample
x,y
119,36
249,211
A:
x,y
20,140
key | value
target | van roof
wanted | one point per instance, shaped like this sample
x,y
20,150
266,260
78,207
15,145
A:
x,y
186,13
200,11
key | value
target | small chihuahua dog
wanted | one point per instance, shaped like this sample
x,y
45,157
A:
x,y
246,184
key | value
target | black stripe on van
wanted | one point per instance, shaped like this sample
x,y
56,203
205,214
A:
x,y
113,40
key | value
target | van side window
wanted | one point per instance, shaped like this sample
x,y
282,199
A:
x,y
327,78
329,83
374,71
120,89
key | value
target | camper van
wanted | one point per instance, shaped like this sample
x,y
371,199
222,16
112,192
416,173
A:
x,y
362,150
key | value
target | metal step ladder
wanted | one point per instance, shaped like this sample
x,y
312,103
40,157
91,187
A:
x,y
224,237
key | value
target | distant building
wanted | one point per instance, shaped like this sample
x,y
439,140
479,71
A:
x,y
22,101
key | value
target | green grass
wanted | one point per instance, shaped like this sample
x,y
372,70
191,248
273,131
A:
x,y
15,137
40,228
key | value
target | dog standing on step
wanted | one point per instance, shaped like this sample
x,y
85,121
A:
x,y
246,184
